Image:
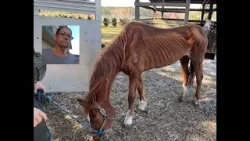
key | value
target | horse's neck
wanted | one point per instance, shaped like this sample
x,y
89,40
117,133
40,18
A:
x,y
104,92
112,67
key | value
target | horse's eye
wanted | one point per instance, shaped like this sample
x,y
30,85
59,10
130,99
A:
x,y
94,112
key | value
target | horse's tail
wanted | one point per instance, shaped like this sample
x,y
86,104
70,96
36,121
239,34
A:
x,y
191,73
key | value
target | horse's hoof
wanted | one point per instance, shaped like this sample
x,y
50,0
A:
x,y
128,120
142,105
127,124
180,99
196,102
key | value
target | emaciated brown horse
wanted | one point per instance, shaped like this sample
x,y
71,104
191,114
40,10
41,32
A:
x,y
140,47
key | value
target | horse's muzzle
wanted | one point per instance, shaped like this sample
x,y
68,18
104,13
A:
x,y
104,137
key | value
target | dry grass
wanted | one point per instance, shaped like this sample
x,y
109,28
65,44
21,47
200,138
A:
x,y
64,14
165,120
108,33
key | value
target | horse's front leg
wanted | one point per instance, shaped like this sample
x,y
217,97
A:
x,y
133,83
142,103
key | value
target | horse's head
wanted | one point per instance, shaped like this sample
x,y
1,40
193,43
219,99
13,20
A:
x,y
100,116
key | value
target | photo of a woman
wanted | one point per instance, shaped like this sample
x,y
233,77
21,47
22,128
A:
x,y
60,53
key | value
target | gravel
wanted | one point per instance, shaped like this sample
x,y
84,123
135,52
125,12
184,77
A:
x,y
165,118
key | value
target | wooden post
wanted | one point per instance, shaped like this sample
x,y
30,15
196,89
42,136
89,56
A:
x,y
187,11
162,12
137,11
202,13
210,13
154,13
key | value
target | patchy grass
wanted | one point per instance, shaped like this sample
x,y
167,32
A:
x,y
109,33
166,119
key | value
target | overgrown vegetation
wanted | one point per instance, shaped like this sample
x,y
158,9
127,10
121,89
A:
x,y
66,15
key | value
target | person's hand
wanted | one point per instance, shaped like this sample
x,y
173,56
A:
x,y
38,116
39,85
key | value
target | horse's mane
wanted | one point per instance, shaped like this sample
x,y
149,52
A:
x,y
111,57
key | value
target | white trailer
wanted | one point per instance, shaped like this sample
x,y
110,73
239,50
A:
x,y
70,77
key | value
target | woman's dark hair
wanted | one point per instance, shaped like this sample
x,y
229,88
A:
x,y
61,27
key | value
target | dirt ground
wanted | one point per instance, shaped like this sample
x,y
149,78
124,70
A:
x,y
166,119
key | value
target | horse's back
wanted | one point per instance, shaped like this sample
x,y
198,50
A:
x,y
160,51
157,47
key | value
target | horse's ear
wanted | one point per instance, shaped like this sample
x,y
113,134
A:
x,y
82,101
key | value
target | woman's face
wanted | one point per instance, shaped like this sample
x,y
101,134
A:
x,y
63,38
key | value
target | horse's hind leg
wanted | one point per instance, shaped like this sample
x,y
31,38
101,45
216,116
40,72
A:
x,y
198,64
142,103
133,83
185,75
